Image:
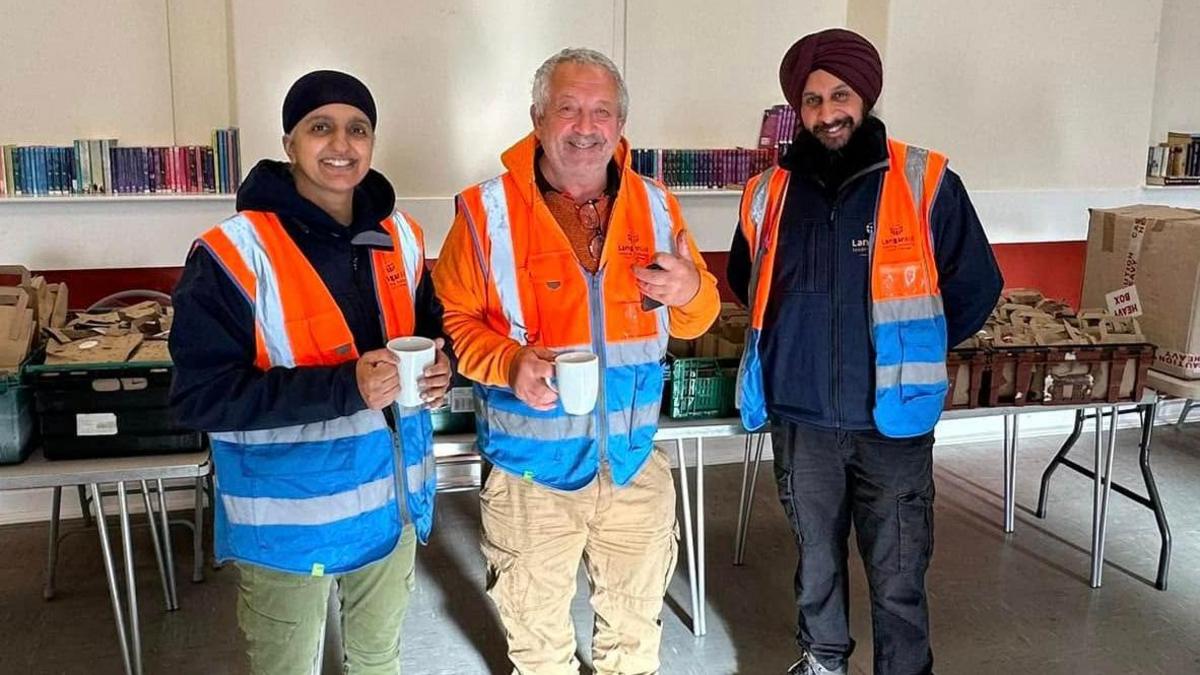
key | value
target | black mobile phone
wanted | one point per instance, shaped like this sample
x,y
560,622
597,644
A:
x,y
650,304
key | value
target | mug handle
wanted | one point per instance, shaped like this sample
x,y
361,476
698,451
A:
x,y
550,384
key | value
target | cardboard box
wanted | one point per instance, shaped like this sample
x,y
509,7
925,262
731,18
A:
x,y
1144,262
17,328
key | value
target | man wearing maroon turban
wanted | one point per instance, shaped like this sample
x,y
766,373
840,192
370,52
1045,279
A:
x,y
869,260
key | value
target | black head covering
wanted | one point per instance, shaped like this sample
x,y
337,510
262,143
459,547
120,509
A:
x,y
322,87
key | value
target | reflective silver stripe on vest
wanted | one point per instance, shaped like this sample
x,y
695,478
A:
x,y
915,163
636,352
502,262
664,240
358,424
418,474
758,209
268,306
262,511
910,374
660,214
621,423
906,309
410,248
540,428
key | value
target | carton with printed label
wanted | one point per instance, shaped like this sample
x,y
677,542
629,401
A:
x,y
1144,262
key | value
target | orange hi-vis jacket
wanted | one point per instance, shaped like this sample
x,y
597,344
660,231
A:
x,y
908,325
508,277
330,496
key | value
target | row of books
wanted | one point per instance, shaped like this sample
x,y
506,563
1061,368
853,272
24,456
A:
x,y
1176,162
778,126
702,169
102,167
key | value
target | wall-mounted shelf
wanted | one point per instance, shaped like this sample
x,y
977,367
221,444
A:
x,y
706,193
84,199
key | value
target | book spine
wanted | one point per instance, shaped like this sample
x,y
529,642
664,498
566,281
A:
x,y
236,163
106,172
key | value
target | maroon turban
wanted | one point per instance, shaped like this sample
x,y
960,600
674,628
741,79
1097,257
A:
x,y
844,54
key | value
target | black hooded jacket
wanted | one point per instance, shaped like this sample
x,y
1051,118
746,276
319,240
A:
x,y
217,386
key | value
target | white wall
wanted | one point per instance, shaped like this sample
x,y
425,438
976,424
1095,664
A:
x,y
1026,94
451,79
701,77
1045,108
1177,85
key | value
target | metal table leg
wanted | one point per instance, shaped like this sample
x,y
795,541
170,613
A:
x,y
690,545
1154,501
168,597
1188,404
1043,492
52,555
701,608
1010,472
168,549
198,534
83,505
1102,490
739,536
130,582
747,505
114,596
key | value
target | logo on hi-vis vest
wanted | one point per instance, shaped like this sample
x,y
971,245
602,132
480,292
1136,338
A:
x,y
863,245
393,273
897,238
630,248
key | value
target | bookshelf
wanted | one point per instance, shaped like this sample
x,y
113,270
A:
x,y
99,199
685,193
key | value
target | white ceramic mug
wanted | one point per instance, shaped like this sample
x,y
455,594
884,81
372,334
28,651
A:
x,y
577,375
414,354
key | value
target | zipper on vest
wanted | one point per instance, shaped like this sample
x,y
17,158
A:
x,y
596,306
835,318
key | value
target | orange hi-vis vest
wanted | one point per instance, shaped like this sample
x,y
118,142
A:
x,y
330,496
908,326
539,294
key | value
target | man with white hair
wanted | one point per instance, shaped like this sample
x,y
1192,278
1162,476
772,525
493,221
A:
x,y
571,250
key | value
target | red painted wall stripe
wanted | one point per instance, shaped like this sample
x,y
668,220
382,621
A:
x,y
1055,268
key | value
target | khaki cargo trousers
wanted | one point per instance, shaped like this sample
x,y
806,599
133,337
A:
x,y
534,538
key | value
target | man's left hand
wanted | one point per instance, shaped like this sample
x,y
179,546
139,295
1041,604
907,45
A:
x,y
677,282
436,380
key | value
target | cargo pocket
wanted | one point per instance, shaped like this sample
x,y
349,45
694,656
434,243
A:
x,y
914,513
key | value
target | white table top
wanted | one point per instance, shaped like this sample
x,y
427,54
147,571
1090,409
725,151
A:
x,y
453,445
1173,386
38,472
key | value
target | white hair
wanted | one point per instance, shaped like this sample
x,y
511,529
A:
x,y
582,56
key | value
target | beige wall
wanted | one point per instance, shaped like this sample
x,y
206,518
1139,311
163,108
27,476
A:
x,y
1177,86
1026,94
1022,95
200,68
701,76
73,69
870,18
145,72
451,79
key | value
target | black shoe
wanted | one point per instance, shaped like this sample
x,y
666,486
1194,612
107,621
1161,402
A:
x,y
808,665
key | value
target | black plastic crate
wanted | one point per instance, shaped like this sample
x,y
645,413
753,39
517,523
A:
x,y
107,410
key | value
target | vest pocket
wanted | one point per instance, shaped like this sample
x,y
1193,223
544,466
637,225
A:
x,y
561,299
327,333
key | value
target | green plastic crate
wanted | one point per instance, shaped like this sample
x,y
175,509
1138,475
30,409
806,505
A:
x,y
700,387
457,415
16,419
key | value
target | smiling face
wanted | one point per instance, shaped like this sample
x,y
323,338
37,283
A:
x,y
830,109
581,124
330,150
